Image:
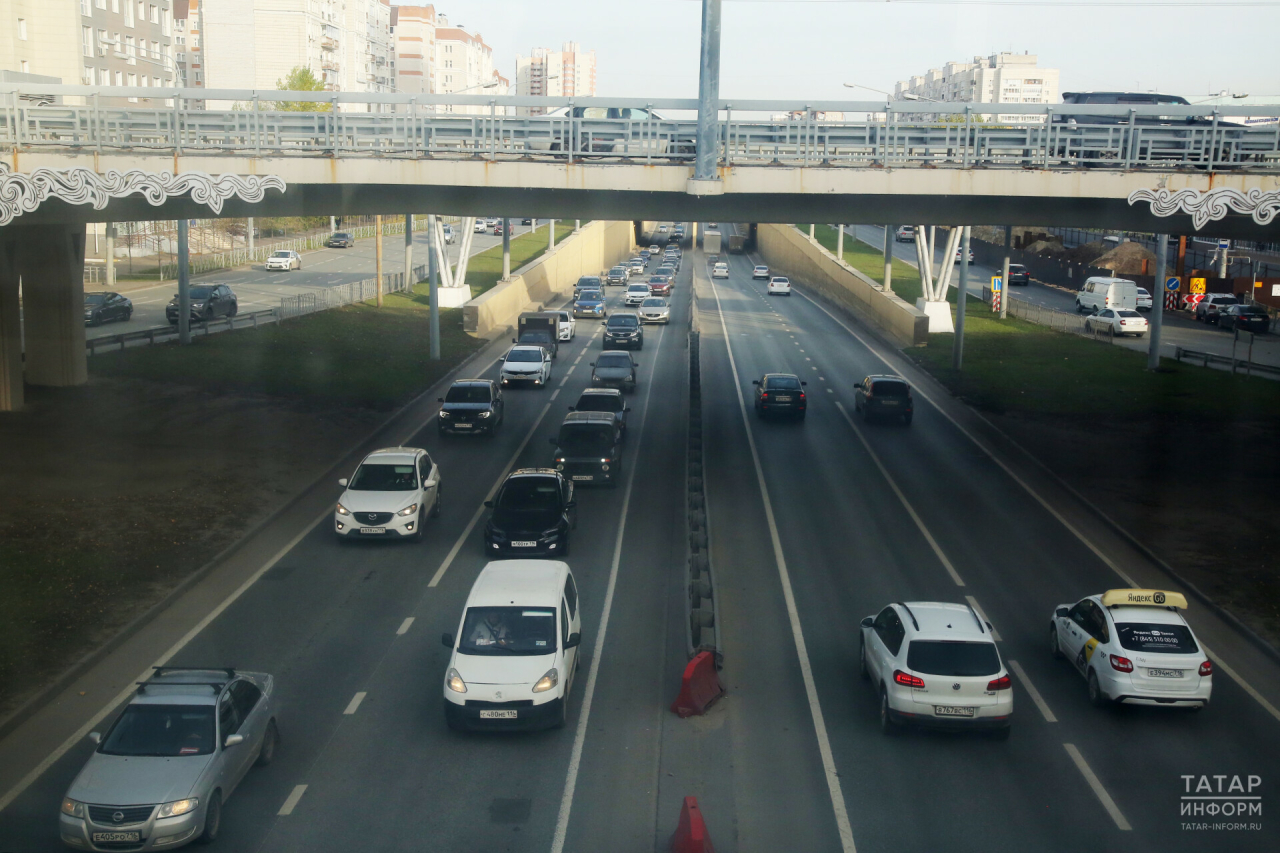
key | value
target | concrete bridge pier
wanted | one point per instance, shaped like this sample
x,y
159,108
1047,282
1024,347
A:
x,y
11,390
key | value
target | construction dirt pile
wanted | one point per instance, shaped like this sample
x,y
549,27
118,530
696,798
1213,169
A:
x,y
1128,259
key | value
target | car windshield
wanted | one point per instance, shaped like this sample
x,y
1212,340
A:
x,y
599,403
889,389
781,280
616,271
783,383
654,302
590,296
530,494
162,730
1146,637
467,394
613,360
1225,300
95,298
659,279
589,439
761,268
279,254
624,321
201,292
638,288
343,235
589,281
508,631
524,355
948,657
378,477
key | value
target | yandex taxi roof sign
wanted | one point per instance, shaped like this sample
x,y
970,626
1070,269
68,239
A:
x,y
1144,597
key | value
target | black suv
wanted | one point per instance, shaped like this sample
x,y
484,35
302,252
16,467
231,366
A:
x,y
623,330
589,448
1018,275
883,395
780,394
471,406
207,302
532,515
607,400
340,240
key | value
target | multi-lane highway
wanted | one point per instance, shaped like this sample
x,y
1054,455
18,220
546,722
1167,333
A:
x,y
814,526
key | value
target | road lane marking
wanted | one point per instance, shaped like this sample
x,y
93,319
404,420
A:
x,y
977,608
1101,792
793,614
556,393
475,519
875,457
291,802
579,738
1238,679
404,626
1033,692
355,703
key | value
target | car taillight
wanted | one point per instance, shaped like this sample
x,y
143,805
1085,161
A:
x,y
1001,683
764,395
1206,668
1121,664
1124,322
907,680
801,395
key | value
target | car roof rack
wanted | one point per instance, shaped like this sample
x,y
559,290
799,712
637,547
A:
x,y
161,670
904,606
981,627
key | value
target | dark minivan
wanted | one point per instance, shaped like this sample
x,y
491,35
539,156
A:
x,y
589,448
889,396
471,406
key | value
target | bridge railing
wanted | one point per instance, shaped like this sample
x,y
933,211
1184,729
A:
x,y
595,129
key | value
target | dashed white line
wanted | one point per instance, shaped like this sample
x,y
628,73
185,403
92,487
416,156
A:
x,y
977,608
404,626
291,802
355,703
1033,692
1101,792
556,393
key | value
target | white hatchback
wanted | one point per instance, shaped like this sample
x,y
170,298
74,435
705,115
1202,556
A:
x,y
568,326
515,654
284,260
389,495
780,285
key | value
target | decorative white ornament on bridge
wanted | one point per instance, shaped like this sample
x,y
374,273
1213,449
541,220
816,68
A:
x,y
1206,207
24,192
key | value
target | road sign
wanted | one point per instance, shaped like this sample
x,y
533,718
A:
x,y
1172,283
997,284
1224,244
1197,285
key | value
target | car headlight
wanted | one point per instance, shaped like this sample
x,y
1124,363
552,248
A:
x,y
409,510
71,807
453,680
484,414
342,510
546,682
445,414
178,807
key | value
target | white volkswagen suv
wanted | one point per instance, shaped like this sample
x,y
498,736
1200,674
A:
x,y
389,495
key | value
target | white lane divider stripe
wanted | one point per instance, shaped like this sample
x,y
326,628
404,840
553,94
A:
x,y
291,802
793,614
355,703
555,393
580,736
875,457
404,626
1094,783
977,608
1048,715
1238,679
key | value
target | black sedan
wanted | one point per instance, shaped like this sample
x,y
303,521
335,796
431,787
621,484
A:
x,y
208,302
881,395
1019,276
102,308
340,240
471,406
532,515
780,394
1246,318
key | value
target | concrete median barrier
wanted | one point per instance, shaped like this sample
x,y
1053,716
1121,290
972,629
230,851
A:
x,y
691,834
700,686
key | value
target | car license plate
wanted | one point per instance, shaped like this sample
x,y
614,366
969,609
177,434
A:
x,y
781,399
952,711
99,837
889,403
498,715
462,426
1165,673
373,530
584,476
523,544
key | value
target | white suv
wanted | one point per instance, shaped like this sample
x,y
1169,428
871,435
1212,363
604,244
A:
x,y
936,664
389,495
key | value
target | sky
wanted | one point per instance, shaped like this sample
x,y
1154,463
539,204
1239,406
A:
x,y
806,49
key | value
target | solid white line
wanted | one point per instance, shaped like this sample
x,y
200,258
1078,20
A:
x,y
875,457
291,801
1238,679
977,608
579,738
355,703
80,734
1101,792
404,626
793,614
1033,692
457,546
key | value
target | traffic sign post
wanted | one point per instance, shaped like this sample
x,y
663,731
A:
x,y
997,293
1172,283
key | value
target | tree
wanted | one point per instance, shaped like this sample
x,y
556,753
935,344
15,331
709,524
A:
x,y
301,79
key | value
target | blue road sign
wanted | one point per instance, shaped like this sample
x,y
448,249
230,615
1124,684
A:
x,y
997,284
1172,283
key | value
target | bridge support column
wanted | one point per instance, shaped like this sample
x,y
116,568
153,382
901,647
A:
x,y
1004,271
888,258
551,234
51,263
110,255
962,297
408,253
184,282
707,156
377,249
506,249
840,243
248,231
1157,301
11,387
434,250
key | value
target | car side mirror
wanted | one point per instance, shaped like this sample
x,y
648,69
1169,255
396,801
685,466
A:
x,y
343,482
755,381
989,627
96,737
575,640
514,341
489,504
233,740
868,622
570,504
553,442
626,408
802,382
446,639
439,399
604,323
1061,612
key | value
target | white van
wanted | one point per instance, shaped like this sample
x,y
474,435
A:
x,y
514,657
1101,292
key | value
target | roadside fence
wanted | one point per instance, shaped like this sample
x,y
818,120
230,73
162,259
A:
x,y
161,334
346,294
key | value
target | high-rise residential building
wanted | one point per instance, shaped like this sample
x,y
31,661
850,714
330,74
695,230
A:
x,y
187,25
90,42
367,45
413,33
568,72
464,64
1010,78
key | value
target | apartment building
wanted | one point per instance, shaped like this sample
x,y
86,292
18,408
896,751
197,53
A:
x,y
366,43
413,34
464,64
568,72
1010,78
91,42
187,26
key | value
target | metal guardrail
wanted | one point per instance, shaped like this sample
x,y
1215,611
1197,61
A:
x,y
952,135
160,334
1208,358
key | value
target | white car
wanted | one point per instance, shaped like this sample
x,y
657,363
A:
x,y
480,227
720,270
636,294
1133,646
1144,299
662,228
655,309
513,660
448,234
526,364
389,495
936,664
568,326
1121,321
960,254
760,271
779,284
284,260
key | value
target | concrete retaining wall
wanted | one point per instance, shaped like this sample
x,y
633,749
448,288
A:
x,y
549,279
809,265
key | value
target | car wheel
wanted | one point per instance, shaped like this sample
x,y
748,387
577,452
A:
x,y
888,725
1096,697
128,315
212,819
452,720
1079,308
235,309
1054,648
270,740
562,716
564,550
862,661
436,507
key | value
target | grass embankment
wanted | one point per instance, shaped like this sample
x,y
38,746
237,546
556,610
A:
x,y
485,269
